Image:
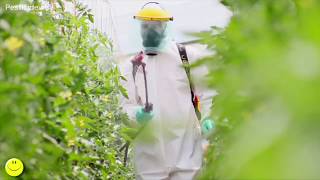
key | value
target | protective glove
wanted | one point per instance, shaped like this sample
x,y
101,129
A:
x,y
142,116
207,126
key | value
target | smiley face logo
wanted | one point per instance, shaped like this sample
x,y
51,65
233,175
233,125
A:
x,y
14,167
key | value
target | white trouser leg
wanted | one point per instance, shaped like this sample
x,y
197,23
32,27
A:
x,y
189,174
153,176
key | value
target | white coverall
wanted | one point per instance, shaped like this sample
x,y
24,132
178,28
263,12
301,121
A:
x,y
171,145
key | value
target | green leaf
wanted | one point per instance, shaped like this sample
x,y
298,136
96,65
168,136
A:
x,y
91,18
123,91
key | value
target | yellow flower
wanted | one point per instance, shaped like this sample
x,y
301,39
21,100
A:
x,y
82,124
105,98
110,115
42,41
71,142
13,44
66,95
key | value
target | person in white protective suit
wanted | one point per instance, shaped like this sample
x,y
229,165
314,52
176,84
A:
x,y
170,145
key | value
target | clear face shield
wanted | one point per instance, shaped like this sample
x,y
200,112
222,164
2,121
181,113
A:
x,y
154,35
153,25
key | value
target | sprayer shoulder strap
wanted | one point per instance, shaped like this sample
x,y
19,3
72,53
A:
x,y
186,65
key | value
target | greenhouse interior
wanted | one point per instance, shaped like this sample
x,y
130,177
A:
x,y
164,89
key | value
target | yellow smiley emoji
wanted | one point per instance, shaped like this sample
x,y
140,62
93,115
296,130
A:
x,y
14,167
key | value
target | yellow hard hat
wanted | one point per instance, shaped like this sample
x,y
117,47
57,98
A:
x,y
153,13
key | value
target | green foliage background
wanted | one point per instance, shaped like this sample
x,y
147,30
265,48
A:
x,y
59,113
267,72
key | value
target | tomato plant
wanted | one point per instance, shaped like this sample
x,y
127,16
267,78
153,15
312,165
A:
x,y
59,110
